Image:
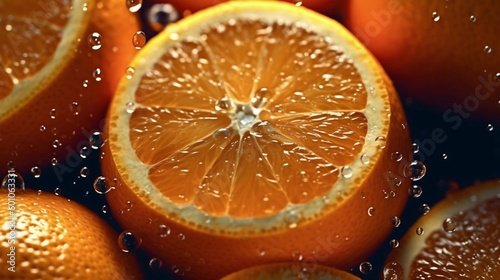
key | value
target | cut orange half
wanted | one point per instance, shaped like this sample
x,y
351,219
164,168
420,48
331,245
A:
x,y
458,239
289,271
256,132
60,63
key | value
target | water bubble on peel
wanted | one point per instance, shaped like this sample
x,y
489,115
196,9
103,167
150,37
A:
x,y
84,172
395,221
94,40
134,5
56,143
394,243
97,74
473,18
139,40
129,241
424,209
381,142
415,191
13,179
435,16
365,159
160,15
102,185
393,271
52,113
365,267
181,236
371,211
487,49
104,209
96,140
164,231
129,73
85,152
43,128
74,108
415,170
36,171
397,156
85,83
449,225
419,231
346,172
155,264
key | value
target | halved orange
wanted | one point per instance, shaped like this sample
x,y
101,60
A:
x,y
458,239
256,132
289,271
60,63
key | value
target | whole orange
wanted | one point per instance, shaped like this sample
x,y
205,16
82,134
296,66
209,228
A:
x,y
44,236
59,65
443,53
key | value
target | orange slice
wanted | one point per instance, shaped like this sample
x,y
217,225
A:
x,y
458,239
289,271
256,132
60,62
43,236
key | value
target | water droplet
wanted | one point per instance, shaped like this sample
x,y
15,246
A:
x,y
473,18
95,140
365,267
102,185
43,128
365,159
393,271
291,218
129,73
445,156
435,16
415,170
297,256
130,107
449,225
94,40
57,191
260,98
36,171
134,5
159,15
175,269
97,74
85,83
56,144
52,113
164,231
84,172
39,192
223,104
104,209
424,209
13,179
139,40
371,211
85,7
261,252
181,236
74,108
487,49
419,231
85,152
381,142
397,156
416,148
54,161
415,191
394,243
128,241
395,221
155,264
490,127
347,172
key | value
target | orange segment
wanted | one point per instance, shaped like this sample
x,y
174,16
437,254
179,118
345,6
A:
x,y
243,127
457,239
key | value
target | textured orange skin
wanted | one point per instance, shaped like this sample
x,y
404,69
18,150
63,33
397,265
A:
x,y
436,62
342,238
328,7
21,140
61,239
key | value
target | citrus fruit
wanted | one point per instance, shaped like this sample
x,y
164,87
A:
x,y
256,132
44,236
289,271
60,63
457,239
441,53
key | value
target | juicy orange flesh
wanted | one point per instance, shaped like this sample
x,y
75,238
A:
x,y
249,117
30,32
471,251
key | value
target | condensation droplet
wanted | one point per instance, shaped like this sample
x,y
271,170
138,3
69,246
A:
x,y
415,170
416,148
56,144
104,209
164,231
435,16
393,271
394,243
129,73
128,241
490,127
419,231
102,185
95,140
84,172
395,221
130,107
415,191
94,40
43,128
155,264
134,5
424,209
260,98
57,191
487,49
97,74
52,113
365,159
139,40
85,83
365,267
36,171
85,152
223,104
449,225
381,142
347,172
473,18
445,156
371,211
160,15
85,7
13,179
74,107
397,156
181,236
54,161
